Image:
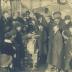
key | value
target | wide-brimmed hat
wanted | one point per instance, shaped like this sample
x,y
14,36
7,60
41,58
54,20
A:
x,y
57,12
27,12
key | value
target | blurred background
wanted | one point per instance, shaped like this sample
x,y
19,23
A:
x,y
12,6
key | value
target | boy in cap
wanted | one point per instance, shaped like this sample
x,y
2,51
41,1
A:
x,y
58,19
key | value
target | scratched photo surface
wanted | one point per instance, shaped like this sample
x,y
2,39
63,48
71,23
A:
x,y
35,35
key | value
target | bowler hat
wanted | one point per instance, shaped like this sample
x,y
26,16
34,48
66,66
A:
x,y
57,12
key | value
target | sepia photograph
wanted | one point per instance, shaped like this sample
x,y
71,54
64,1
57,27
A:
x,y
35,35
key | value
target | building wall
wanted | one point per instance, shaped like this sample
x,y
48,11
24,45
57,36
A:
x,y
36,4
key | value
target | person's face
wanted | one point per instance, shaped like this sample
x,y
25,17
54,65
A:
x,y
67,21
18,28
33,22
15,16
57,21
47,19
24,28
40,19
6,15
41,28
27,15
70,29
24,18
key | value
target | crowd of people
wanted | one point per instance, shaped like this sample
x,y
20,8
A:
x,y
48,39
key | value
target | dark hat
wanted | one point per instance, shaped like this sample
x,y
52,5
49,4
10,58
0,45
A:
x,y
28,12
57,12
67,17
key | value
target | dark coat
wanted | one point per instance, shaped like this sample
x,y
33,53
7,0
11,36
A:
x,y
55,49
8,24
42,41
7,48
42,46
68,49
19,45
2,30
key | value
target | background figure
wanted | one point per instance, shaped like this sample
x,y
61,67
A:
x,y
67,34
31,37
67,22
7,53
19,48
53,37
8,22
41,43
2,30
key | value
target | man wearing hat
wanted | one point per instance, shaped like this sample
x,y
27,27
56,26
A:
x,y
55,42
57,14
57,17
55,48
41,42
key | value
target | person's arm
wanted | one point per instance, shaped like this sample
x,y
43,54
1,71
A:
x,y
64,35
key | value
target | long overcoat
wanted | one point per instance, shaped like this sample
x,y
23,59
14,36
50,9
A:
x,y
55,49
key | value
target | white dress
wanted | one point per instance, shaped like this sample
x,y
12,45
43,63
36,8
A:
x,y
31,47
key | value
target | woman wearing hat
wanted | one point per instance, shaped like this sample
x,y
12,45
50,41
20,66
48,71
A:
x,y
67,22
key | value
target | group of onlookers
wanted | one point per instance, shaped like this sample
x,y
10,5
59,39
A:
x,y
50,37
